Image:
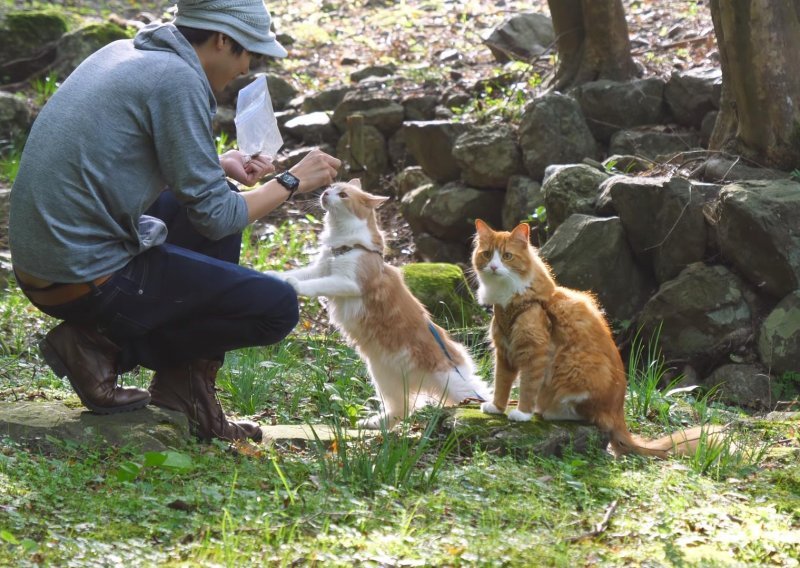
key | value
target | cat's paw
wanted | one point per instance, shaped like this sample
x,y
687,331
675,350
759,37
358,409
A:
x,y
275,274
519,416
490,408
294,283
375,422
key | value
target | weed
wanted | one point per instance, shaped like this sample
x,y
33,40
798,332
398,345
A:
x,y
223,143
647,370
10,155
538,222
45,88
398,458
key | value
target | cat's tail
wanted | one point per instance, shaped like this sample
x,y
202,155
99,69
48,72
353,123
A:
x,y
679,443
461,385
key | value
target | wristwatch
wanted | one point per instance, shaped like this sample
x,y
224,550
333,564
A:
x,y
289,181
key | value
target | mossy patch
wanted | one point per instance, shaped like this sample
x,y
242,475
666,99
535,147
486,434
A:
x,y
496,433
23,34
444,291
104,33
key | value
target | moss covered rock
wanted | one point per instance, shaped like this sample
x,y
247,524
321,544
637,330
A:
x,y
23,34
444,291
76,46
779,337
496,433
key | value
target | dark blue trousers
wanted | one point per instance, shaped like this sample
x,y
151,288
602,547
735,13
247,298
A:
x,y
184,300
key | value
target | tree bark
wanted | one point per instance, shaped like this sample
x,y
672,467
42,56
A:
x,y
759,46
592,42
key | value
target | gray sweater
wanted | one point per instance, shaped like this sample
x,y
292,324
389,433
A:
x,y
131,119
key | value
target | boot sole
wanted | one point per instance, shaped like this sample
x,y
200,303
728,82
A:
x,y
52,358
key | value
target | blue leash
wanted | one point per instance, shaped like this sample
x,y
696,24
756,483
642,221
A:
x,y
440,341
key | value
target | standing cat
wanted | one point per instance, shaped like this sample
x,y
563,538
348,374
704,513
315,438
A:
x,y
410,359
558,343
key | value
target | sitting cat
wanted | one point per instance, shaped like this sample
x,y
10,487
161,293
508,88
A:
x,y
558,343
410,359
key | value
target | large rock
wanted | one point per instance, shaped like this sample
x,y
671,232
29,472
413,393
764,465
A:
x,y
375,161
691,95
487,156
497,434
379,111
570,189
609,106
147,429
748,386
314,128
758,229
412,203
522,36
24,33
420,107
434,249
523,197
399,155
76,46
408,180
664,221
328,99
15,117
721,168
779,336
653,143
450,211
431,144
443,290
592,254
554,131
703,313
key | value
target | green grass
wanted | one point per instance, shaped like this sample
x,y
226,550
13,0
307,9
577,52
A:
x,y
10,154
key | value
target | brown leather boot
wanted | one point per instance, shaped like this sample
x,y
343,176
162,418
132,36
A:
x,y
191,389
88,360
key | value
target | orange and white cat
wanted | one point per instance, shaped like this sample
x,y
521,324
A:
x,y
411,360
557,342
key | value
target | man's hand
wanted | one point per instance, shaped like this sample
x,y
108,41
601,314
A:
x,y
245,169
317,169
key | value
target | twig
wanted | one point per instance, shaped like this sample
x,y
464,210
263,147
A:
x,y
600,527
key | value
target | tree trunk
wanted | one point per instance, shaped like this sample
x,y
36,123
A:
x,y
592,42
759,46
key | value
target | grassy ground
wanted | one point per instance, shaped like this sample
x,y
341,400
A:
x,y
407,498
413,497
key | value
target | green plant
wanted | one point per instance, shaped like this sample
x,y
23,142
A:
x,y
538,222
397,458
223,142
10,155
647,370
45,88
504,97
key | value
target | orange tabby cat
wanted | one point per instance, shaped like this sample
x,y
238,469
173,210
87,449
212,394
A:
x,y
558,343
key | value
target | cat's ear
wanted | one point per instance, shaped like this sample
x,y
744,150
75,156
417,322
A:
x,y
483,229
522,232
356,182
374,201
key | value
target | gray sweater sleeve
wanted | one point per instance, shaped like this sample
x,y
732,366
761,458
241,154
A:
x,y
180,122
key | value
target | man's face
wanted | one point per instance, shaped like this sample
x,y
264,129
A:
x,y
226,65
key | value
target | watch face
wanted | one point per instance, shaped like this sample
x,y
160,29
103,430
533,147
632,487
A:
x,y
289,181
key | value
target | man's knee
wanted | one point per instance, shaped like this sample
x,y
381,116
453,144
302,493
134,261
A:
x,y
282,315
